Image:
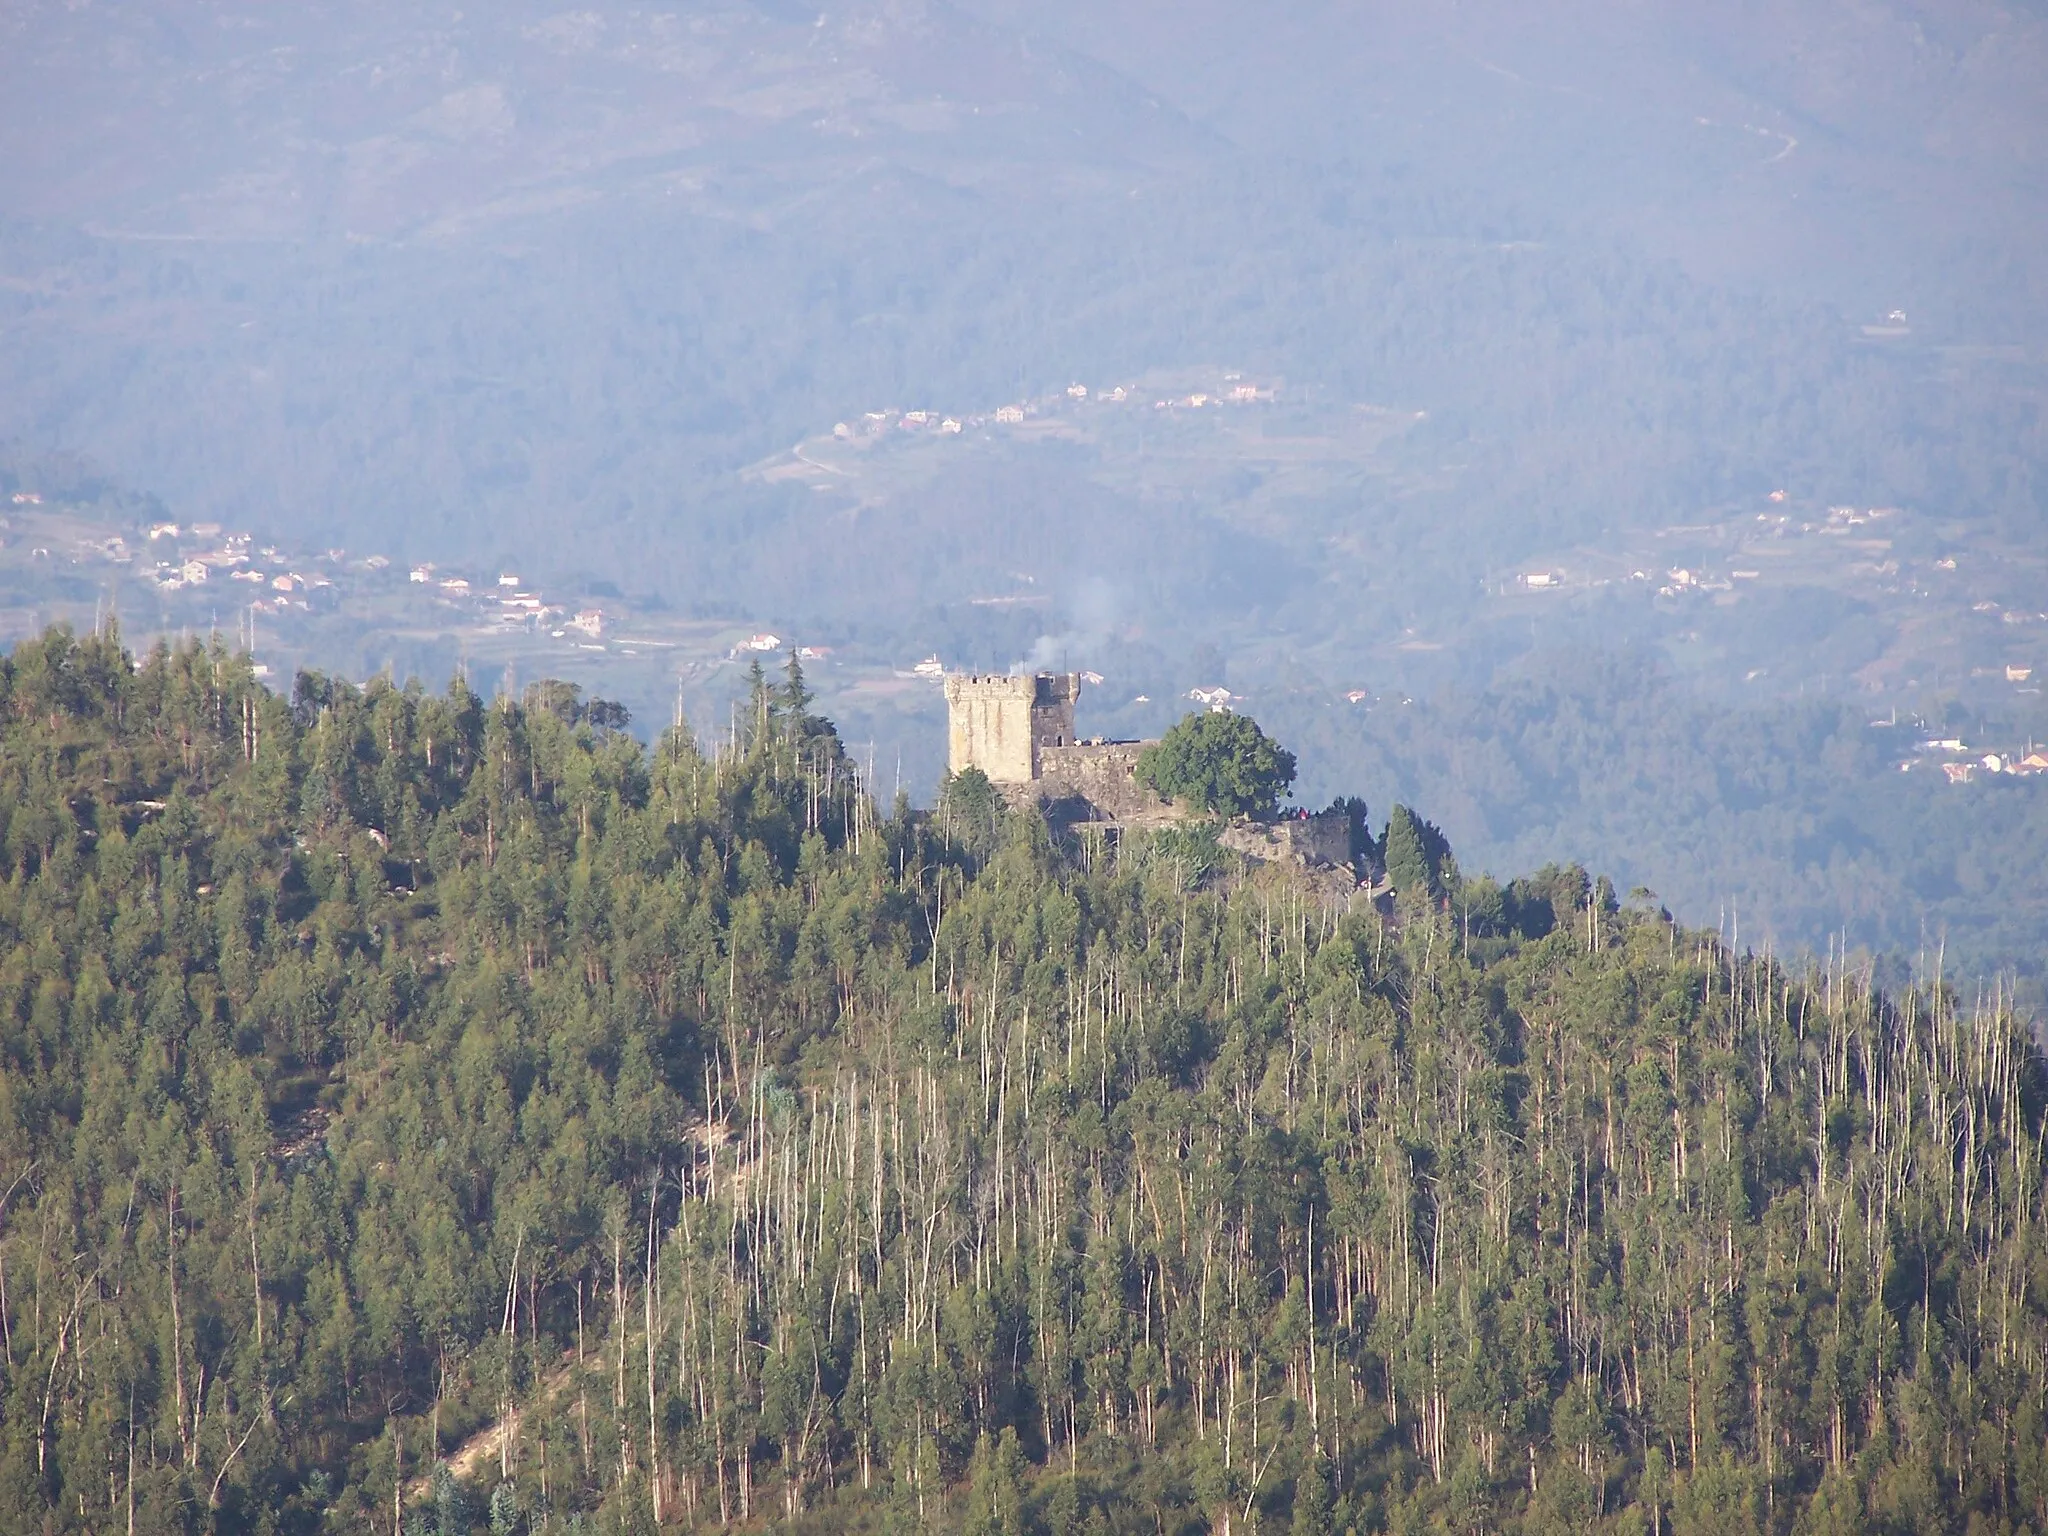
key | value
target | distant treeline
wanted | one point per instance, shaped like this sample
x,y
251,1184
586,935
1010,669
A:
x,y
1788,824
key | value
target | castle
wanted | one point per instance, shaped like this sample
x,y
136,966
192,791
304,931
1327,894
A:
x,y
1019,730
1003,725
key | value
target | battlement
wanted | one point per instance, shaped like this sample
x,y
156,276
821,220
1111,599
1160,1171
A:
x,y
1002,723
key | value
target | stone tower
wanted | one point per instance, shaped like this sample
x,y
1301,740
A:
x,y
1001,724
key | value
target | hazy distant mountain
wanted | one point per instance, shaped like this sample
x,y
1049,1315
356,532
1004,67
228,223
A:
x,y
387,122
1877,155
1859,151
429,277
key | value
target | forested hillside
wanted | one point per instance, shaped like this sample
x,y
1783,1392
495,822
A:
x,y
424,1113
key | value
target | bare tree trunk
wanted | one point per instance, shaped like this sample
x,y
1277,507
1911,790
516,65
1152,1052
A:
x,y
256,1280
178,1328
647,1302
508,1330
619,1385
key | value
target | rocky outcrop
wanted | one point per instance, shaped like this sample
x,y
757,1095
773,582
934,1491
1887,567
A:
x,y
1320,841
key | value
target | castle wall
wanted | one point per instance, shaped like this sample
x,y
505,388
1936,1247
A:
x,y
1105,775
1002,724
988,726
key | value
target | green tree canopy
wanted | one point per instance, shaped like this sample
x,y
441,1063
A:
x,y
1219,762
425,1078
1418,855
971,810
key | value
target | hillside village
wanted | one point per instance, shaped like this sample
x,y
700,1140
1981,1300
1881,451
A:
x,y
829,459
1232,389
202,569
1957,611
1952,609
1957,615
1961,763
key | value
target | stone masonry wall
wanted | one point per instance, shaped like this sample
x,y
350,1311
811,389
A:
x,y
1104,774
1001,724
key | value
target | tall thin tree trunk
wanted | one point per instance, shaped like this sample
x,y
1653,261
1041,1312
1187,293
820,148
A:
x,y
647,1299
619,1382
178,1329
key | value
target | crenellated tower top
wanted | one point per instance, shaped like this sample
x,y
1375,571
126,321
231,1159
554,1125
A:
x,y
1001,723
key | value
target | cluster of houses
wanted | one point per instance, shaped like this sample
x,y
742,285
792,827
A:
x,y
510,603
1864,549
1841,519
185,556
767,642
1231,394
284,582
875,423
1675,582
1234,391
177,556
281,582
1963,765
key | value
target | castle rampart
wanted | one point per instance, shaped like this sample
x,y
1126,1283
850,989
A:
x,y
1003,724
1105,775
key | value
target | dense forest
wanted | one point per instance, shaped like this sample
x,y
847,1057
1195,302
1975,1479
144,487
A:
x,y
429,1113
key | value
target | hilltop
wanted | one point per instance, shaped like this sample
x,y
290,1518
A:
x,y
1568,291
670,1137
